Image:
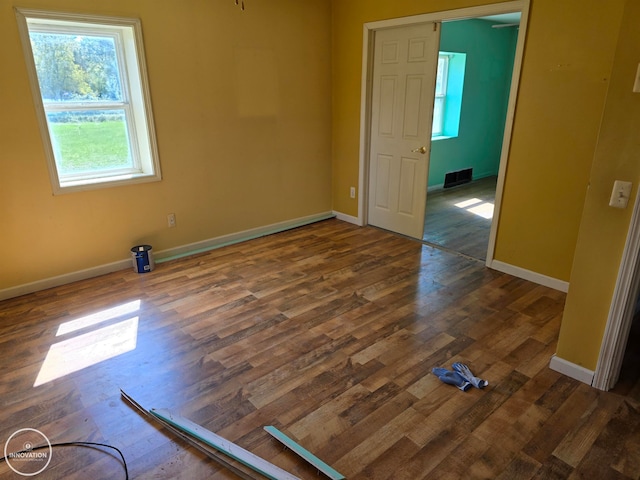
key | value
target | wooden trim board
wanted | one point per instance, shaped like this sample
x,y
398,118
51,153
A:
x,y
305,454
197,435
234,451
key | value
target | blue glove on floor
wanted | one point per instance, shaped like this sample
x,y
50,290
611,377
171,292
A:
x,y
465,373
452,378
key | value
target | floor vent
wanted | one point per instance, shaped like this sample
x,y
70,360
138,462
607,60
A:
x,y
452,179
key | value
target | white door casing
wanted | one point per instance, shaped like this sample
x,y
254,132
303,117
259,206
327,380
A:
x,y
404,72
622,309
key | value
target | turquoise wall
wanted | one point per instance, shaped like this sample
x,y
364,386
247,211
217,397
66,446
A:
x,y
490,53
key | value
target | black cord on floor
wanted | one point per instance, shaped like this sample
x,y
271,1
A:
x,y
79,444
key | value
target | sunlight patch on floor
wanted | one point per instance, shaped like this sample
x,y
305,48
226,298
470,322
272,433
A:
x,y
477,207
98,317
91,348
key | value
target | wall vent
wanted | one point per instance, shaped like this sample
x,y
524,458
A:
x,y
451,179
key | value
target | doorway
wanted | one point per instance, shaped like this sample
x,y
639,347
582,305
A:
x,y
629,377
622,313
477,66
519,7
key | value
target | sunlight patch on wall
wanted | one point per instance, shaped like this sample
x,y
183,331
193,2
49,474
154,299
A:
x,y
477,207
91,348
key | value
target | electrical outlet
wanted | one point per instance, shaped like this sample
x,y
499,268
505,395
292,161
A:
x,y
171,220
352,192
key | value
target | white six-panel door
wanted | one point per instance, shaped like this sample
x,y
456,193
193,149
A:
x,y
404,72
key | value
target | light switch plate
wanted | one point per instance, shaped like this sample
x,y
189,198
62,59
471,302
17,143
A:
x,y
620,194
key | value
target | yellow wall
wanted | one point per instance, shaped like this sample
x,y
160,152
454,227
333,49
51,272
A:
x,y
565,76
603,229
242,112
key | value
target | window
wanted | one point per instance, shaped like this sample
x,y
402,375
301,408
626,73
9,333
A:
x,y
90,90
440,96
447,105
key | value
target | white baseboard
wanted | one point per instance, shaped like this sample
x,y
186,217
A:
x,y
71,277
243,236
534,277
162,256
348,218
571,370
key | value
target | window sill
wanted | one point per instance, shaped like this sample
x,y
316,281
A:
x,y
115,181
441,137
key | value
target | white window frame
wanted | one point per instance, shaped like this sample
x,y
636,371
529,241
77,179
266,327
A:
x,y
441,97
136,102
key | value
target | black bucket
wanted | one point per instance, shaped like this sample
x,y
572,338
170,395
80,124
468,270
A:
x,y
142,257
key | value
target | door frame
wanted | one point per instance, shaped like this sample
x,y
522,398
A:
x,y
369,29
621,311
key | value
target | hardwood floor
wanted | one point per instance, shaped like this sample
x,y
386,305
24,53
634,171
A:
x,y
459,218
328,332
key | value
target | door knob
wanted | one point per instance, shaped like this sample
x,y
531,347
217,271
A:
x,y
421,150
